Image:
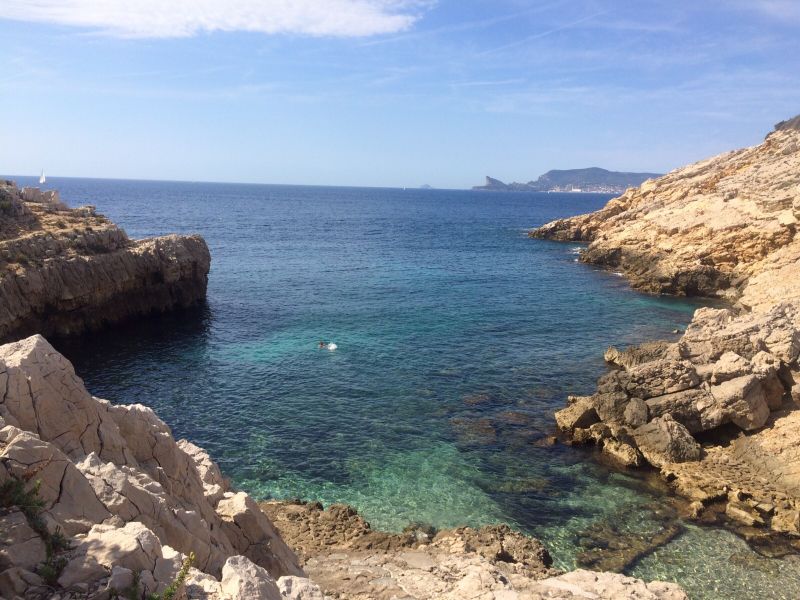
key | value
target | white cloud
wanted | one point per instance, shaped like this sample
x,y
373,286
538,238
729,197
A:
x,y
183,18
784,10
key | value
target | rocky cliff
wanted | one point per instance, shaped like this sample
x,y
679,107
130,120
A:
x,y
64,271
716,410
98,497
98,501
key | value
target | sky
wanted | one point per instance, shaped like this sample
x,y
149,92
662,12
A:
x,y
387,92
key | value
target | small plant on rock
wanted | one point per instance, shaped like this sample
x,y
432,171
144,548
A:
x,y
14,493
172,590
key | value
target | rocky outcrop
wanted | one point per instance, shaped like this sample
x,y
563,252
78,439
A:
x,y
350,561
125,496
63,271
721,227
705,409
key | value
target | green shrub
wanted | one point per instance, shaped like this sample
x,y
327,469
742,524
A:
x,y
172,590
13,493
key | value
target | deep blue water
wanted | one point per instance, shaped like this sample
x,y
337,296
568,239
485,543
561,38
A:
x,y
458,337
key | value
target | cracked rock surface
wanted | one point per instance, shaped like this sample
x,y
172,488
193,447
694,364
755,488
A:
x,y
126,494
63,271
718,410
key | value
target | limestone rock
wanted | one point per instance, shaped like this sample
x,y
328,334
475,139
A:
x,y
589,584
254,536
299,588
724,227
742,401
659,377
579,414
114,480
44,395
664,440
69,500
243,580
133,547
665,239
20,546
203,586
637,355
787,521
636,413
729,366
743,513
214,484
623,453
490,564
168,566
68,271
610,406
15,582
121,579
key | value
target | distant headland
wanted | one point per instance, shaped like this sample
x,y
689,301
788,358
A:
x,y
593,179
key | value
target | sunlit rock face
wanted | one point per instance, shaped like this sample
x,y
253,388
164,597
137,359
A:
x,y
724,227
113,480
64,271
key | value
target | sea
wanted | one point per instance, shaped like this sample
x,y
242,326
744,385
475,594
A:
x,y
457,338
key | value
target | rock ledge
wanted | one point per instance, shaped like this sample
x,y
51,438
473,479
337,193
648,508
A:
x,y
64,271
717,410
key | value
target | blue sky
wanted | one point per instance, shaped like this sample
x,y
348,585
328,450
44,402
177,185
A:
x,y
387,92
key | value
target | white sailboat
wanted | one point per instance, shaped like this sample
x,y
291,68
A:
x,y
42,178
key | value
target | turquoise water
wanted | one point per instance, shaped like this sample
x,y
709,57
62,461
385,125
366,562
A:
x,y
458,337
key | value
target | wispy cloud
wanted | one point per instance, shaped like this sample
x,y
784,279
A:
x,y
715,95
465,26
545,33
488,82
184,18
783,10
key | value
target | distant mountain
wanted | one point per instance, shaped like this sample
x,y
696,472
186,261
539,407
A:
x,y
793,123
592,179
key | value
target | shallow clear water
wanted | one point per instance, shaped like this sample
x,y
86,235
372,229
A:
x,y
458,337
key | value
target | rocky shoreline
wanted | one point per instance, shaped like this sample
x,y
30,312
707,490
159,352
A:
x,y
99,501
716,412
65,271
349,560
